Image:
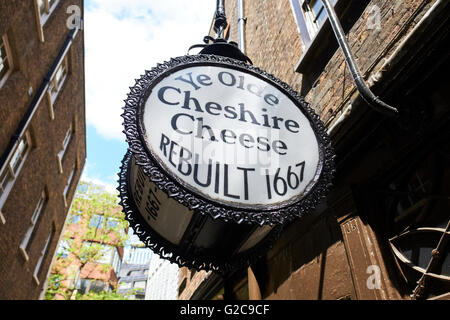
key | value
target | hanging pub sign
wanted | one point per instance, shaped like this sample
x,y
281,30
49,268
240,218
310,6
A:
x,y
221,155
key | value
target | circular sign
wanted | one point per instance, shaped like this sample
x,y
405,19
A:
x,y
226,138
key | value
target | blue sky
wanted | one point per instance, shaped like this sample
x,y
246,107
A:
x,y
122,40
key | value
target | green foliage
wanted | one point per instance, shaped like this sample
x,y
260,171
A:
x,y
95,223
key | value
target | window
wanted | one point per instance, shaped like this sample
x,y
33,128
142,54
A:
x,y
65,144
417,203
44,9
24,245
102,253
112,223
91,285
140,284
316,34
43,255
64,248
67,187
124,285
310,16
56,84
96,221
12,169
6,63
75,218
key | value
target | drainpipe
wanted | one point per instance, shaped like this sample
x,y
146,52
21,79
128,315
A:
x,y
25,122
241,25
360,84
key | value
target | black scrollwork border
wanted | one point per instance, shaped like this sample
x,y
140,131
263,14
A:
x,y
276,214
173,253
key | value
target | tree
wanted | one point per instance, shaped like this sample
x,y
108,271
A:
x,y
90,247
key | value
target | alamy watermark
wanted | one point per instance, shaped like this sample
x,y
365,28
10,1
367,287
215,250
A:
x,y
74,20
374,18
374,280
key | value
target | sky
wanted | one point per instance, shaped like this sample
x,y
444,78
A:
x,y
122,40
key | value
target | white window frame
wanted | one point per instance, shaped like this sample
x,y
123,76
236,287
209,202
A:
x,y
44,252
65,144
69,183
34,219
304,17
56,85
311,17
5,43
14,172
42,18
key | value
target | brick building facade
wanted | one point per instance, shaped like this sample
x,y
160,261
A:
x,y
90,253
382,232
42,136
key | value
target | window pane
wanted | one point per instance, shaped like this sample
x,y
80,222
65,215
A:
x,y
59,74
67,137
41,6
97,286
316,6
4,67
112,223
140,284
18,155
38,209
2,51
6,178
321,17
75,219
96,221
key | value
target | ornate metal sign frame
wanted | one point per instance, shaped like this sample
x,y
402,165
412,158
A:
x,y
174,253
275,214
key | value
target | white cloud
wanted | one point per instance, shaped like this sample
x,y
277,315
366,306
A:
x,y
125,38
111,188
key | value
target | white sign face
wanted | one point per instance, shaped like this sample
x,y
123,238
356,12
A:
x,y
230,137
168,218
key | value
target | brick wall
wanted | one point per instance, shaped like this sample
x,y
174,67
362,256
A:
x,y
310,261
33,60
273,43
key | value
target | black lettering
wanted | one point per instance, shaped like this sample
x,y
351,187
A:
x,y
241,83
232,78
246,180
292,124
161,95
262,143
172,152
257,90
164,143
245,137
202,80
278,145
271,100
230,110
190,81
244,112
201,128
225,184
208,176
216,185
188,99
186,161
174,125
225,134
213,106
266,121
275,122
